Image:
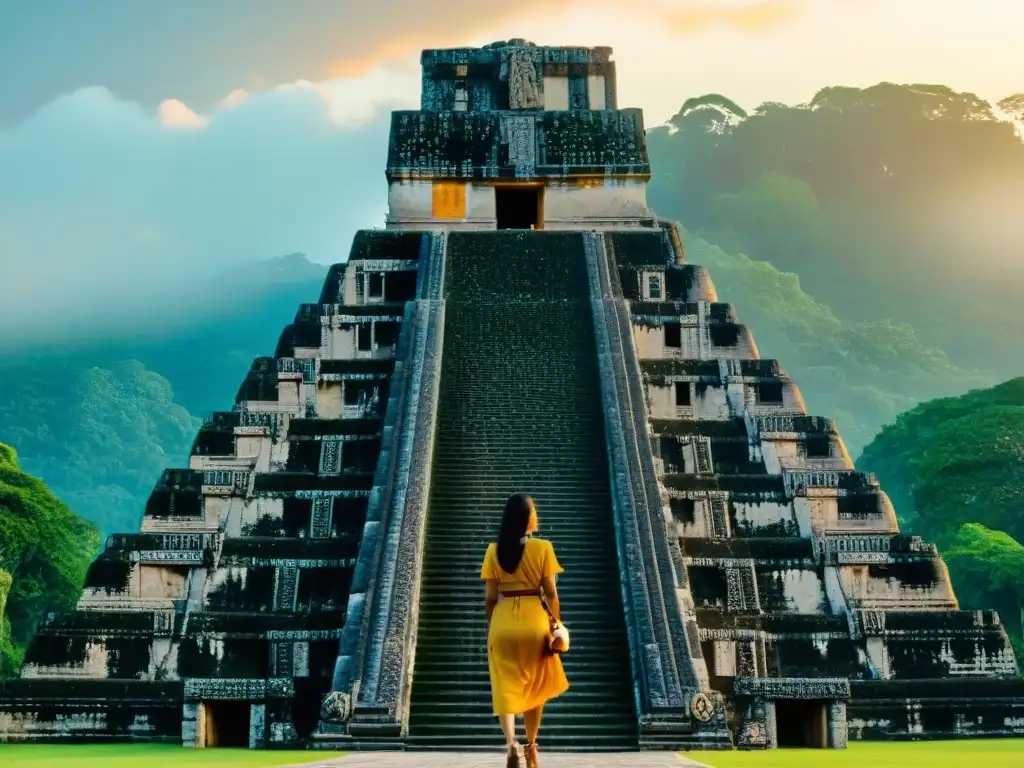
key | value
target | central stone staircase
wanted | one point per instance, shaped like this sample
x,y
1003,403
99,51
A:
x,y
520,410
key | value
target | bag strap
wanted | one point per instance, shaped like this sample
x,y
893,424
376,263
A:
x,y
547,609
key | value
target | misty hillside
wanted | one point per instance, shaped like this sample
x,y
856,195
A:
x,y
98,420
899,202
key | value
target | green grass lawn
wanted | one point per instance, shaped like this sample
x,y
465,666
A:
x,y
991,753
147,756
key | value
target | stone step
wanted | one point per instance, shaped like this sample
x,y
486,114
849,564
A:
x,y
482,718
467,633
575,596
478,540
587,508
473,664
464,651
494,492
580,529
470,667
573,700
585,565
577,738
574,602
476,684
470,582
557,454
567,534
477,511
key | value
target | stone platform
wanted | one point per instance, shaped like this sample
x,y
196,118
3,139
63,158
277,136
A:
x,y
495,759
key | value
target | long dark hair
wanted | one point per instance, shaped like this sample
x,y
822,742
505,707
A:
x,y
514,522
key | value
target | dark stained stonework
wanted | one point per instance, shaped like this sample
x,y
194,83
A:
x,y
483,76
469,145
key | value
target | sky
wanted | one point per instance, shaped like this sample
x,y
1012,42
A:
x,y
142,143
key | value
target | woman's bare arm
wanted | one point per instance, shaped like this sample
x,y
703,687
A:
x,y
551,593
491,598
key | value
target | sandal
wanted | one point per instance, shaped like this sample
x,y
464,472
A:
x,y
531,756
513,757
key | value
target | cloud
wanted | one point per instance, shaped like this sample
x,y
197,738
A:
x,y
111,214
460,21
174,113
113,211
256,44
237,96
762,15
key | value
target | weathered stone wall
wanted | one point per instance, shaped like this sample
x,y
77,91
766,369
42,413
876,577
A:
x,y
89,709
685,337
583,204
520,75
531,146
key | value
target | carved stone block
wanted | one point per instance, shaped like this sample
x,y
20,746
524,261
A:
x,y
257,725
523,86
837,725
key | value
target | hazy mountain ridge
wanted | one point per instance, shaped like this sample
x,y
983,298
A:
x,y
122,408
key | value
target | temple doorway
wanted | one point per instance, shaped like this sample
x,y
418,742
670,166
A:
x,y
801,723
225,724
518,207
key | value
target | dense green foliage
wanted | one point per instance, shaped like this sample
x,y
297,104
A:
x,y
98,421
954,469
44,547
99,436
956,460
8,654
898,203
987,568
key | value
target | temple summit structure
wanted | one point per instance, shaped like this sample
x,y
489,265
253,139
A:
x,y
523,322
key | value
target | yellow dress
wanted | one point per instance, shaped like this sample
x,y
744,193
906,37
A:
x,y
522,676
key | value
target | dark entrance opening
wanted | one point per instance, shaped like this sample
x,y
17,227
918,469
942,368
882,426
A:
x,y
801,723
226,724
518,207
305,713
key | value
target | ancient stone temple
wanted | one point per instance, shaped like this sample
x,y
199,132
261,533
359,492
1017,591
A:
x,y
523,322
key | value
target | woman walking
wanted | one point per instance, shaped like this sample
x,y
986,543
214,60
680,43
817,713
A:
x,y
518,570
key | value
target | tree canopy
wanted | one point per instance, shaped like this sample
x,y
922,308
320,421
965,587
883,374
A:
x,y
956,460
894,202
954,469
99,436
46,550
